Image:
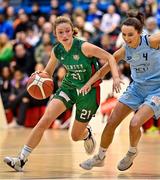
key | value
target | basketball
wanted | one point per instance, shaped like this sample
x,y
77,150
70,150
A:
x,y
40,85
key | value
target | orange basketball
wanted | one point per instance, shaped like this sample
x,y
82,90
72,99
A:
x,y
40,85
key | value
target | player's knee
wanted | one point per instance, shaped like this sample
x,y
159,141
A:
x,y
44,122
134,124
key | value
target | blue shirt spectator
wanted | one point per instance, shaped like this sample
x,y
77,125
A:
x,y
6,27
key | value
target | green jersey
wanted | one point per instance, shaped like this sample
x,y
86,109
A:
x,y
79,67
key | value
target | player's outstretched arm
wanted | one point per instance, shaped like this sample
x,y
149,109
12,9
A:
x,y
110,64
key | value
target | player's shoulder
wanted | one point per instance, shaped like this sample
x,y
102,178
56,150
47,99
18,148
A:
x,y
56,46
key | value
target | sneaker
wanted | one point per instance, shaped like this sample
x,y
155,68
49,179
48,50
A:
x,y
90,142
95,161
15,163
127,161
14,124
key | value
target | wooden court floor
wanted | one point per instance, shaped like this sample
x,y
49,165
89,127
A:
x,y
57,157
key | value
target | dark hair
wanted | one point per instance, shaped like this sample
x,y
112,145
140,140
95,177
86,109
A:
x,y
64,19
135,19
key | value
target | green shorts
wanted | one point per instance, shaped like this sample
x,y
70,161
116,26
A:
x,y
86,106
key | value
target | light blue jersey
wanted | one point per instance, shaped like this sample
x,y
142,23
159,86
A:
x,y
144,62
145,72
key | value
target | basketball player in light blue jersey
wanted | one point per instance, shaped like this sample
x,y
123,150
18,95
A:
x,y
142,95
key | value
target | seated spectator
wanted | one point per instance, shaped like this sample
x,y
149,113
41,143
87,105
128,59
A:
x,y
23,24
41,52
6,50
10,14
106,43
35,13
110,21
32,37
21,38
18,102
24,59
5,85
6,27
40,24
151,26
67,8
124,8
55,8
93,13
97,35
47,28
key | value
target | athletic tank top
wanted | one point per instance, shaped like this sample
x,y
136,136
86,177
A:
x,y
79,67
144,62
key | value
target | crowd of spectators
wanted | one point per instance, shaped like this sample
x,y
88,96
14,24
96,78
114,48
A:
x,y
26,39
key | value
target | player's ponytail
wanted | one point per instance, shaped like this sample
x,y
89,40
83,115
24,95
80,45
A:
x,y
135,19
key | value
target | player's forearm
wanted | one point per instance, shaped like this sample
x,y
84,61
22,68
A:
x,y
99,74
114,68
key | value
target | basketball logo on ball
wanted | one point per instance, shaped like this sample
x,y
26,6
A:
x,y
40,85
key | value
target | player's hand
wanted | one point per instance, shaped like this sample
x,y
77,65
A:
x,y
38,72
85,89
117,84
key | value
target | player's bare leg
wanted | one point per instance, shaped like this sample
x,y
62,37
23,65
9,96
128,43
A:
x,y
53,110
82,131
135,133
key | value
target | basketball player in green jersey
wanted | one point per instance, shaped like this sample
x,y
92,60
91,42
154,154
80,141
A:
x,y
80,60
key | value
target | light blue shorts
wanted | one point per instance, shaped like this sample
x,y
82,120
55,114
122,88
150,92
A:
x,y
137,94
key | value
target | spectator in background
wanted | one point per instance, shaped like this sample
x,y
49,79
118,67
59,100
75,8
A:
x,y
32,37
79,22
17,19
23,24
110,21
55,8
5,85
47,28
42,51
93,12
21,38
40,24
139,4
106,43
6,50
78,12
5,26
35,13
67,8
124,8
24,59
52,18
97,34
151,26
18,103
10,14
117,4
